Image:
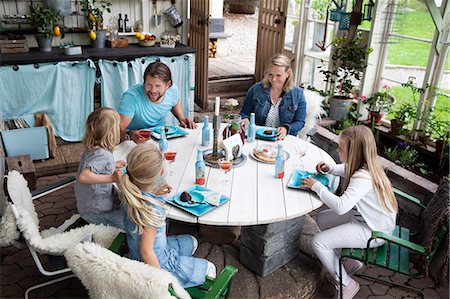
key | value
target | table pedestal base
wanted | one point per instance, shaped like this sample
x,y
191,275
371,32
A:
x,y
266,248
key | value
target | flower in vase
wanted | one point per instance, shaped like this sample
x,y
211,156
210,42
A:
x,y
231,104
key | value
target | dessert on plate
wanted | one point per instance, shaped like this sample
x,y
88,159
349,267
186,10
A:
x,y
266,153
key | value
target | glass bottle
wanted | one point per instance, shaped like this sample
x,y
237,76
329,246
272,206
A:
x,y
279,163
163,140
120,23
206,132
200,169
251,129
126,23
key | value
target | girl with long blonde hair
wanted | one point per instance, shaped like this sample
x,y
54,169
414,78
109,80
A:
x,y
97,170
143,188
367,204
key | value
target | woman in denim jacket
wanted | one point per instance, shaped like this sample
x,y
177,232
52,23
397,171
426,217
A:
x,y
275,100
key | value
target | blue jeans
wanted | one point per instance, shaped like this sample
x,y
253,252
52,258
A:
x,y
112,218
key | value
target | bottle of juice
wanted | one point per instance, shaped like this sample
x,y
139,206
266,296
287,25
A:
x,y
200,169
206,132
251,129
163,140
279,163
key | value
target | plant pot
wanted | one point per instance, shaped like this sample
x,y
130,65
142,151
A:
x,y
339,107
396,126
45,44
375,117
439,146
99,42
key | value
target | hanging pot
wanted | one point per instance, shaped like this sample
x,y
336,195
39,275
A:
x,y
174,16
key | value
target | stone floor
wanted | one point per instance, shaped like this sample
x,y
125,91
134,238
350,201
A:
x,y
301,278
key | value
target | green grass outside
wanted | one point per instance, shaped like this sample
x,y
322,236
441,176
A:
x,y
415,21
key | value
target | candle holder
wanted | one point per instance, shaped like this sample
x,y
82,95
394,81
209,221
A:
x,y
212,157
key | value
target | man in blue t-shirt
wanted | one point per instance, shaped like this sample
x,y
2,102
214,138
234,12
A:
x,y
146,105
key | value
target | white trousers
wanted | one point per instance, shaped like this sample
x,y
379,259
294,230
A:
x,y
338,231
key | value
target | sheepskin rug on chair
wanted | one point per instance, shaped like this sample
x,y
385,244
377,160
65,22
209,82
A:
x,y
314,111
108,275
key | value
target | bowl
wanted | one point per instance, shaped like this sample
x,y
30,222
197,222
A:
x,y
149,43
73,50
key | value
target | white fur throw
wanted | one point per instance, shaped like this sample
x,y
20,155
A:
x,y
8,229
107,275
51,241
314,110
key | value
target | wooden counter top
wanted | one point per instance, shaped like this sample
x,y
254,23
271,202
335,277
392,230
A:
x,y
125,53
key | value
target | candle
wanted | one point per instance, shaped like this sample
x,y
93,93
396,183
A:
x,y
216,111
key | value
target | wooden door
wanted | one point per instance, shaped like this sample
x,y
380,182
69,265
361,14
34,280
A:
x,y
271,29
198,39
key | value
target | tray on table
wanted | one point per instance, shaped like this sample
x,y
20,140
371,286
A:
x,y
298,175
174,132
196,208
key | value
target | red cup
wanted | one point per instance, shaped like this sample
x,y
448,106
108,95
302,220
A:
x,y
144,133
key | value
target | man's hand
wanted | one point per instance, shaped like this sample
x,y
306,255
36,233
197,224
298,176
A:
x,y
136,136
188,123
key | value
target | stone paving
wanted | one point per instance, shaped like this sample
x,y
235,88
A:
x,y
300,278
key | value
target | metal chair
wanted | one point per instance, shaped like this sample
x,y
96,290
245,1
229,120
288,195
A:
x,y
395,254
53,241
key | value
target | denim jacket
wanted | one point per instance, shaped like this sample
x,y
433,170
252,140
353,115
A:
x,y
292,109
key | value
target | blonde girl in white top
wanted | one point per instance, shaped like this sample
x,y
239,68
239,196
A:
x,y
366,204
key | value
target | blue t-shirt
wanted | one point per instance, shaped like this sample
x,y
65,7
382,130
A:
x,y
144,113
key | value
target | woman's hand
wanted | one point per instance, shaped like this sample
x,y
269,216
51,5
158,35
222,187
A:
x,y
281,133
244,124
163,189
308,182
322,167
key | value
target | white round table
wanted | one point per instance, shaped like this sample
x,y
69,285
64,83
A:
x,y
257,197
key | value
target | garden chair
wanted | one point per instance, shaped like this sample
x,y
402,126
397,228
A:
x,y
108,275
53,241
398,250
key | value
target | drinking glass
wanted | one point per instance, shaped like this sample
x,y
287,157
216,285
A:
x,y
170,158
225,166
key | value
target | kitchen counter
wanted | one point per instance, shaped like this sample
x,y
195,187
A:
x,y
120,54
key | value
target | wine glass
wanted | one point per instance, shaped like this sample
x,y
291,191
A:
x,y
170,158
225,166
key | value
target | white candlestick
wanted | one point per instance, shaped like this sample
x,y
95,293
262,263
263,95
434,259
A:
x,y
217,107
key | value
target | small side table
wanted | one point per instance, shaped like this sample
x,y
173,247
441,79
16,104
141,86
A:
x,y
25,166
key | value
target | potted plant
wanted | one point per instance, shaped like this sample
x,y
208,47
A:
x,y
379,103
347,64
93,20
45,19
402,115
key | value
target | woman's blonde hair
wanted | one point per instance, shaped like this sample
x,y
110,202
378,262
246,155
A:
x,y
283,61
102,129
362,151
145,163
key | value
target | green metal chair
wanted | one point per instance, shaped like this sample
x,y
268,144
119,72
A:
x,y
211,289
395,253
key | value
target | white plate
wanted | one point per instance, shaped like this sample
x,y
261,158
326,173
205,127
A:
x,y
287,156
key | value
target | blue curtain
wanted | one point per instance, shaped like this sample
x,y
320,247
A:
x,y
118,77
64,91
